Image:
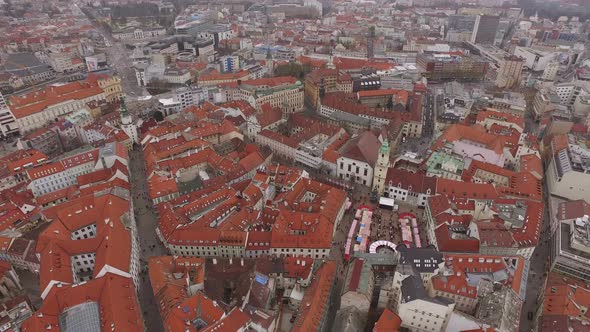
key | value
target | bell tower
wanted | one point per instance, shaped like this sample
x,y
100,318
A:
x,y
381,167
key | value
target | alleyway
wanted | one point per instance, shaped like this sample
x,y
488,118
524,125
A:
x,y
147,221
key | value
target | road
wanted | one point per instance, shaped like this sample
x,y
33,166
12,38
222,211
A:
x,y
428,115
147,221
537,270
119,60
360,197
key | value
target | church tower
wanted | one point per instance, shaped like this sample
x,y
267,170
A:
x,y
127,122
270,63
381,167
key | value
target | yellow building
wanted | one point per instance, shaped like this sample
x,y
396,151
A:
x,y
110,85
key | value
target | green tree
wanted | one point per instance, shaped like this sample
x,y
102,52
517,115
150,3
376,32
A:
x,y
158,116
290,69
389,104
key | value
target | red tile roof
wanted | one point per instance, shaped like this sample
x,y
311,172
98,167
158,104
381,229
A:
x,y
472,133
455,279
65,193
312,62
236,320
114,294
520,184
413,182
286,140
301,230
36,101
365,147
448,241
572,209
268,115
452,188
170,278
297,267
317,75
493,114
401,96
45,170
316,299
21,159
354,64
566,297
388,322
111,242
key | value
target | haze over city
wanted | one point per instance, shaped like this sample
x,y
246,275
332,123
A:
x,y
294,165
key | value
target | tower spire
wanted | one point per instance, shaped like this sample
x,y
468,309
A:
x,y
122,107
381,167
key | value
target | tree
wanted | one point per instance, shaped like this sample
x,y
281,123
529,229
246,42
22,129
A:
x,y
158,116
389,104
290,69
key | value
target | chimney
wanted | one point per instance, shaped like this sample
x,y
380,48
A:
x,y
214,261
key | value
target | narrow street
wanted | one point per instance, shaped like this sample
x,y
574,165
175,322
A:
x,y
428,115
30,283
537,271
147,221
337,254
538,262
360,197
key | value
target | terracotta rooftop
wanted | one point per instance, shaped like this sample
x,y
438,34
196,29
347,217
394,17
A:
x,y
413,182
316,299
110,241
400,96
460,268
365,147
114,295
572,210
508,118
19,160
388,322
171,277
565,299
482,191
471,133
36,101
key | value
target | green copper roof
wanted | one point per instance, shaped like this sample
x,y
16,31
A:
x,y
122,108
384,147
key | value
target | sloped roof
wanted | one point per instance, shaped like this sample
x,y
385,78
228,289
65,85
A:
x,y
364,147
115,296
